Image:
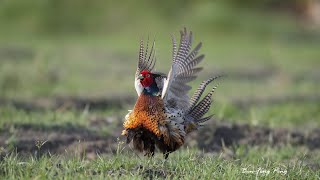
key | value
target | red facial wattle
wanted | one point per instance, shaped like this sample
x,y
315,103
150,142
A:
x,y
146,82
147,79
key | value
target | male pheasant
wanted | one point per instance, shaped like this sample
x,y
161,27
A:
x,y
164,114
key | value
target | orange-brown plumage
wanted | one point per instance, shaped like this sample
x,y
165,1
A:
x,y
164,114
148,112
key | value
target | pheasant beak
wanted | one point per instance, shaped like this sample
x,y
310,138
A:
x,y
140,77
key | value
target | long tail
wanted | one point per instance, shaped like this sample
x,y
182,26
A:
x,y
196,111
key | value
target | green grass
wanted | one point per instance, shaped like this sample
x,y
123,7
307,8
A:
x,y
281,163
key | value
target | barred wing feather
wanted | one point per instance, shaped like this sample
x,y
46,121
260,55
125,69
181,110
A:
x,y
183,70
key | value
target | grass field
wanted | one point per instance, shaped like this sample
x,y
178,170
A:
x,y
63,98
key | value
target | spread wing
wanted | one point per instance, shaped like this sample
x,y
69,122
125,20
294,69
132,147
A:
x,y
147,61
183,70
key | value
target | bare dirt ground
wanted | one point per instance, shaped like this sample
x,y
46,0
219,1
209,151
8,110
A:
x,y
38,140
235,134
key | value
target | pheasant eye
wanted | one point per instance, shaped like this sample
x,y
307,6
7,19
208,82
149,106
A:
x,y
148,75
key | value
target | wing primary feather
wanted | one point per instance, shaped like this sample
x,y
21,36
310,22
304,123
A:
x,y
184,60
183,68
184,46
194,52
186,79
196,60
190,39
191,72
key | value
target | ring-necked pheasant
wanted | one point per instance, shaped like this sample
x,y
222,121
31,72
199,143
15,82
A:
x,y
164,114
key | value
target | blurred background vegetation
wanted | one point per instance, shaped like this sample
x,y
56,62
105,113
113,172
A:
x,y
269,48
105,17
66,82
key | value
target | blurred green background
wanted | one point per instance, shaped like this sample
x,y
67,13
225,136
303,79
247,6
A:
x,y
269,49
66,82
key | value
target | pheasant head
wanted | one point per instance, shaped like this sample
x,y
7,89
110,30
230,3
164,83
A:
x,y
148,82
